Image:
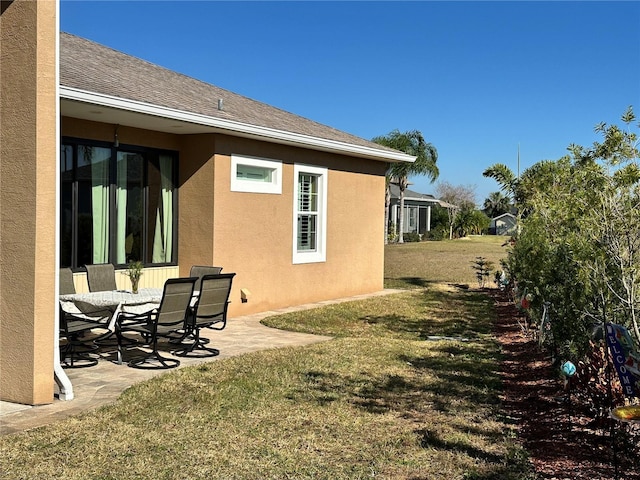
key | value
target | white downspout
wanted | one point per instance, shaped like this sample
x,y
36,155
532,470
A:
x,y
59,375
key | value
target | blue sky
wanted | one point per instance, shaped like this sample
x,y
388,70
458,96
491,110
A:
x,y
478,79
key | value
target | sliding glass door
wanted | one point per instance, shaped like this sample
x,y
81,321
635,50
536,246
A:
x,y
117,204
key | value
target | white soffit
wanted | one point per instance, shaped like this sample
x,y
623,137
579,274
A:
x,y
97,107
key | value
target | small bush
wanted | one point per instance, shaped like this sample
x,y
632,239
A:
x,y
411,237
483,270
436,234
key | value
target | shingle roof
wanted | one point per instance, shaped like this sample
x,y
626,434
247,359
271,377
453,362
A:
x,y
411,195
89,66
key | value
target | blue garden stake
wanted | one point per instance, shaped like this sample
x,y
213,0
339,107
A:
x,y
568,368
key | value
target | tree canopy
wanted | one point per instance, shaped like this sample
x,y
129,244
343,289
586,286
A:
x,y
496,204
413,143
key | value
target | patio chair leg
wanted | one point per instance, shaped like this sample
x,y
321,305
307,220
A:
x,y
126,341
119,340
77,358
197,349
147,361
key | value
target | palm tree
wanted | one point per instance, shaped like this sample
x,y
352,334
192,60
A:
x,y
496,204
505,177
520,189
412,143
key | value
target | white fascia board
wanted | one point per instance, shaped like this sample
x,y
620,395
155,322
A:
x,y
254,131
421,199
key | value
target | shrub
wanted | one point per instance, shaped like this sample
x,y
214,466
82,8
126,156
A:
x,y
577,247
438,233
483,270
411,237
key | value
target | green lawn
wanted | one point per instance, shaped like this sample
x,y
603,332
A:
x,y
386,398
447,261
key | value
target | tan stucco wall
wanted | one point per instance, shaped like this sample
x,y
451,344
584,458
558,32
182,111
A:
x,y
253,233
27,200
196,208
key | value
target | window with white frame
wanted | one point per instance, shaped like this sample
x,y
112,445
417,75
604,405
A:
x,y
310,214
255,175
411,219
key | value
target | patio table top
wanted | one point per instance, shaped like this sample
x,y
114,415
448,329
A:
x,y
114,301
113,298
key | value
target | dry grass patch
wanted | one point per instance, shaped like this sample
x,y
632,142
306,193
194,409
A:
x,y
380,401
440,310
413,265
351,408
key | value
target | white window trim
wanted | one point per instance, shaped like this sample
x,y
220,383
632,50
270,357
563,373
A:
x,y
320,254
242,185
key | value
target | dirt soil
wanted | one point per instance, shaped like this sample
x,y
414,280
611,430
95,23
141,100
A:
x,y
553,427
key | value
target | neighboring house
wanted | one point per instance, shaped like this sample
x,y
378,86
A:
x,y
417,210
117,159
503,224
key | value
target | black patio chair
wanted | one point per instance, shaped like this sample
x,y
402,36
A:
x,y
101,277
78,329
163,321
210,311
202,270
66,285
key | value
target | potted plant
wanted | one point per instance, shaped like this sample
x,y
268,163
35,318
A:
x,y
134,273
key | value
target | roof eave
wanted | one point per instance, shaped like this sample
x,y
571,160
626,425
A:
x,y
422,199
233,127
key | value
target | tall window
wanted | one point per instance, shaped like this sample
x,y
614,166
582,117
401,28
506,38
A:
x,y
310,218
410,219
117,204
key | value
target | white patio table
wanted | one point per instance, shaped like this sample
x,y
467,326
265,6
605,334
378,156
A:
x,y
114,301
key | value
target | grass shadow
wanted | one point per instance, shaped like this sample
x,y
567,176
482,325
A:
x,y
431,439
407,282
458,313
457,385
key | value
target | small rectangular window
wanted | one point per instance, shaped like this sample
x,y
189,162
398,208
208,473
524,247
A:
x,y
255,175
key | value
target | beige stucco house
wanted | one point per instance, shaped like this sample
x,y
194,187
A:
x,y
108,158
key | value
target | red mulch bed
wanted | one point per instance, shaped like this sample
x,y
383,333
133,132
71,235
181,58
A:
x,y
554,431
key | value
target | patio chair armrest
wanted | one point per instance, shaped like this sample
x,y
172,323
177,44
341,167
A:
x,y
138,316
98,320
125,319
